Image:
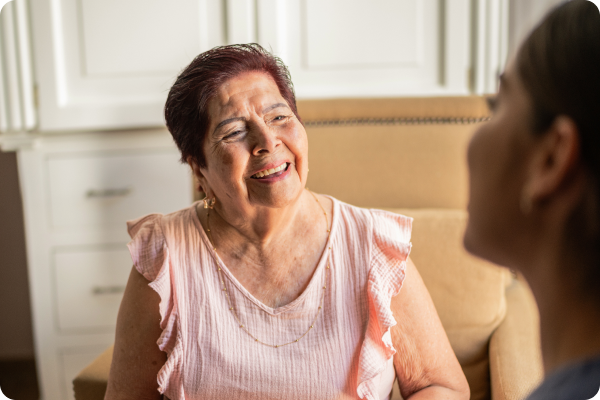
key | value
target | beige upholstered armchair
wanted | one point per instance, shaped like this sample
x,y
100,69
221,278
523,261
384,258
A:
x,y
408,156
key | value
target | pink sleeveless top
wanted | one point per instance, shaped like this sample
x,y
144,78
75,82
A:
x,y
348,353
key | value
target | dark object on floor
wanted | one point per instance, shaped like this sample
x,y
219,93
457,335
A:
x,y
18,379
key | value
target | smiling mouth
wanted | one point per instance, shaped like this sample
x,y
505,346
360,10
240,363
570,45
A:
x,y
269,173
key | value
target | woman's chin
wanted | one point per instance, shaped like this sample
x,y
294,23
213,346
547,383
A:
x,y
277,194
482,246
474,241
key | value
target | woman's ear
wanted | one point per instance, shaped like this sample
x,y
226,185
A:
x,y
555,159
194,166
202,185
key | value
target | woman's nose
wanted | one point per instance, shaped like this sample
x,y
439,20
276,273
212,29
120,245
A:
x,y
266,139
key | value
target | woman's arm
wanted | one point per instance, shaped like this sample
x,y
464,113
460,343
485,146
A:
x,y
136,358
425,363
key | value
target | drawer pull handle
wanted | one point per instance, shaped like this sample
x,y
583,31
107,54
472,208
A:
x,y
100,290
107,193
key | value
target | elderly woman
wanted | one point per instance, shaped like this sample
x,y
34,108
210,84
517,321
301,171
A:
x,y
535,191
266,290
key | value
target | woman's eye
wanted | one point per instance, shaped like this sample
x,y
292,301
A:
x,y
232,135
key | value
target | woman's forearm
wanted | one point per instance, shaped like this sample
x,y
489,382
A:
x,y
435,392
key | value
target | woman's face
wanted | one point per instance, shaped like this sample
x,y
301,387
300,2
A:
x,y
256,149
498,158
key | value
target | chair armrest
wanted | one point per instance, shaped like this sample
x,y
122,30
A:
x,y
90,383
515,351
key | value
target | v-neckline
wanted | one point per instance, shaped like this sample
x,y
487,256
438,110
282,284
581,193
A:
x,y
314,280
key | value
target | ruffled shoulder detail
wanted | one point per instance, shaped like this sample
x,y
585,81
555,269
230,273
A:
x,y
150,255
390,247
147,245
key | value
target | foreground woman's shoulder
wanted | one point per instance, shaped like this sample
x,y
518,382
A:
x,y
580,380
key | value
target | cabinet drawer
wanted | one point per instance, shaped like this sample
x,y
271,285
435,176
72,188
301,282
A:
x,y
89,287
104,191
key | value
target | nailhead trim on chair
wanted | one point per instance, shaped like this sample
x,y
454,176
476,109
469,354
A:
x,y
396,121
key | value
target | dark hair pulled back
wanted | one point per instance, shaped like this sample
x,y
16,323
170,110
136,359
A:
x,y
559,66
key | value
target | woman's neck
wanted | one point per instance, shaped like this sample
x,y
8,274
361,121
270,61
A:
x,y
260,225
273,256
569,320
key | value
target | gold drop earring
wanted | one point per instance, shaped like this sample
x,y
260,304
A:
x,y
209,203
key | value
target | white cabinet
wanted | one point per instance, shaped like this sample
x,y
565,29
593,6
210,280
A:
x,y
103,190
106,64
78,191
89,286
342,48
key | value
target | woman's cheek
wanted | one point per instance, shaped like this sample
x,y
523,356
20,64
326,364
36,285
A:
x,y
302,152
300,139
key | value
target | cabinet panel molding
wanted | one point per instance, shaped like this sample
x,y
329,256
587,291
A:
x,y
395,33
122,38
109,64
17,103
367,48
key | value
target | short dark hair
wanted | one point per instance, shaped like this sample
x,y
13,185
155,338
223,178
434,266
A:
x,y
186,109
559,66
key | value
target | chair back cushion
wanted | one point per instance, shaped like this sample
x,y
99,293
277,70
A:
x,y
391,152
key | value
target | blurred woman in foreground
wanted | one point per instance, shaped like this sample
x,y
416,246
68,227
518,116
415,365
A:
x,y
535,200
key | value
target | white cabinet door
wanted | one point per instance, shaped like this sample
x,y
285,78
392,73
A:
x,y
107,64
341,48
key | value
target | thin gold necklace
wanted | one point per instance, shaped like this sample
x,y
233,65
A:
x,y
224,289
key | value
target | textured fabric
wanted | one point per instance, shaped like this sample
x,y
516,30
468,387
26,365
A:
x,y
514,351
579,381
412,166
400,107
348,354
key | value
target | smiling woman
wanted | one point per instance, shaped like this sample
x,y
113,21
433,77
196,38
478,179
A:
x,y
267,290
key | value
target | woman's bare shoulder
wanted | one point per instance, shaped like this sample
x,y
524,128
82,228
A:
x,y
136,357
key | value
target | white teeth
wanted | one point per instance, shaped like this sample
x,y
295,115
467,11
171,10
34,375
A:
x,y
270,171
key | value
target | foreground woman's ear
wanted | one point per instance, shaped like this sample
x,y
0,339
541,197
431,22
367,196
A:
x,y
555,161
